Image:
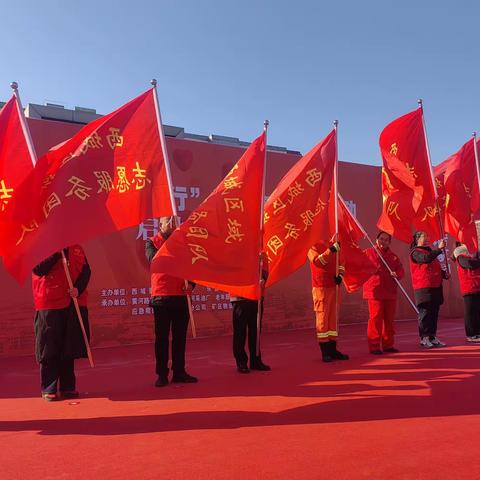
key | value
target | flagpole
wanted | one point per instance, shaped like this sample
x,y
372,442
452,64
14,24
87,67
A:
x,y
261,282
163,143
390,271
77,309
335,193
33,157
23,122
477,165
434,185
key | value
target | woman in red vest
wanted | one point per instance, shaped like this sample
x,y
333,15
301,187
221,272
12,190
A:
x,y
427,277
380,291
468,267
58,336
170,311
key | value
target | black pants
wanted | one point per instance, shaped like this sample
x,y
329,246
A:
x,y
472,314
57,370
58,341
428,318
245,319
170,313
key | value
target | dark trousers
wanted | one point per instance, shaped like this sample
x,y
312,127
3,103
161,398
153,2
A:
x,y
57,370
245,320
428,318
472,314
170,313
58,341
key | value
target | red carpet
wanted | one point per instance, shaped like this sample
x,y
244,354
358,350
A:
x,y
413,415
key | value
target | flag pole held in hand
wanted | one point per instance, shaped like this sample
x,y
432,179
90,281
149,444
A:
x,y
153,82
434,187
335,196
77,309
261,282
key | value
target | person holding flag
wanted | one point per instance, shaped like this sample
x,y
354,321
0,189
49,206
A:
x,y
324,291
468,267
211,246
171,312
380,291
244,320
58,337
427,276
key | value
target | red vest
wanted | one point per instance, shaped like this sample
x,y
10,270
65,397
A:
x,y
50,292
381,285
469,279
324,276
425,275
164,285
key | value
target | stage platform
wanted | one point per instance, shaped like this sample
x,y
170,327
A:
x,y
412,415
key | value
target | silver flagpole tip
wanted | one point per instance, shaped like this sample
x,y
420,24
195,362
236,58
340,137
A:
x,y
474,134
153,82
335,123
266,123
420,102
14,85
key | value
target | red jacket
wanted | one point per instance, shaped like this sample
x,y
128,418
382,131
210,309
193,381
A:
x,y
164,285
50,292
469,278
323,266
381,285
425,275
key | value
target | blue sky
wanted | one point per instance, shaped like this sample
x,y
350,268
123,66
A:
x,y
224,66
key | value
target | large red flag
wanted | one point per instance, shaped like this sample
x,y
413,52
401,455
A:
x,y
297,215
109,176
300,213
15,160
462,195
407,189
358,267
218,245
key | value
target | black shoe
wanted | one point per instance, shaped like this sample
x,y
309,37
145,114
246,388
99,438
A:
x,y
326,352
336,354
242,368
376,352
184,378
391,350
259,365
162,381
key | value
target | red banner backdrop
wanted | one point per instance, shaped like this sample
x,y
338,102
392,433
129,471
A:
x,y
119,289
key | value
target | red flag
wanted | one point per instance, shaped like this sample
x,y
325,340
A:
x,y
109,176
408,193
15,160
462,195
358,267
296,213
218,245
